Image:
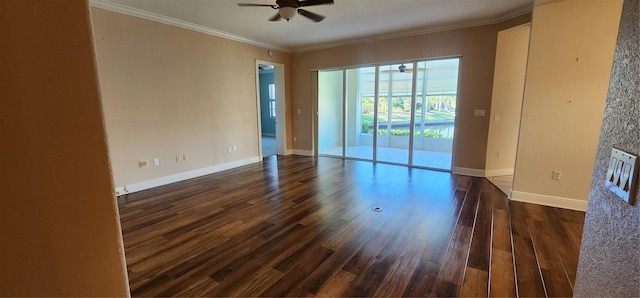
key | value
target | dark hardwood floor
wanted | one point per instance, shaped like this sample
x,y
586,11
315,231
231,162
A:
x,y
302,226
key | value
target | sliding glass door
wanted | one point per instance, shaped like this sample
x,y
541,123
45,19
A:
x,y
394,112
436,96
359,95
400,113
330,104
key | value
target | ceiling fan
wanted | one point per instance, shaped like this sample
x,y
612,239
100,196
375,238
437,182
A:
x,y
402,68
287,9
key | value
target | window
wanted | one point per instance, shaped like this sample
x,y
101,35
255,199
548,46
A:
x,y
272,101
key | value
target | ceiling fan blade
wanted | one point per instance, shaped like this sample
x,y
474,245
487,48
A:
x,y
275,18
313,16
253,4
313,2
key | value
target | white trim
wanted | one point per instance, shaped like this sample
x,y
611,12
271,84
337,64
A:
x,y
468,172
288,152
498,172
121,191
353,41
143,14
566,203
139,186
303,152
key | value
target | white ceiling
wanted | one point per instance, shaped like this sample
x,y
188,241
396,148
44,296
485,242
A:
x,y
347,20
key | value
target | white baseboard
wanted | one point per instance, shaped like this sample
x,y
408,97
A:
x,y
498,172
468,172
303,152
560,202
288,152
139,186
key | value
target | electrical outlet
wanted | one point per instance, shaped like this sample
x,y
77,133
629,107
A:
x,y
143,163
556,175
499,154
156,161
235,148
185,156
295,139
230,149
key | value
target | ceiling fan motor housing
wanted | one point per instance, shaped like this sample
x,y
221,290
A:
x,y
287,8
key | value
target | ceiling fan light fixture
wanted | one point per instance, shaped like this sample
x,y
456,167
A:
x,y
287,13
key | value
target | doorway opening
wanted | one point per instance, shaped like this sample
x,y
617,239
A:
x,y
402,113
271,110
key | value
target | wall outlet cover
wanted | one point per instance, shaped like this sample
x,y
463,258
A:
x,y
622,174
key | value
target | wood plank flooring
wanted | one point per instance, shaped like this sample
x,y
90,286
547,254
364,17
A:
x,y
303,226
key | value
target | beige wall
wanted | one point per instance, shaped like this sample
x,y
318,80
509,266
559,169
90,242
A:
x,y
475,45
506,101
169,91
59,221
570,59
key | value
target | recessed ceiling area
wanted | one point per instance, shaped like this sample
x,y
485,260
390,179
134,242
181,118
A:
x,y
346,21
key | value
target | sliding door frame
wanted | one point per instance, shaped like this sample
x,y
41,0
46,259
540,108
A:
x,y
376,109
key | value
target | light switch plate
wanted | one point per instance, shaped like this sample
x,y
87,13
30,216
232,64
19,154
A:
x,y
478,113
622,174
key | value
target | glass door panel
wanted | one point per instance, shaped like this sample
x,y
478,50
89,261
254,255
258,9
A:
x,y
436,95
330,116
360,103
394,112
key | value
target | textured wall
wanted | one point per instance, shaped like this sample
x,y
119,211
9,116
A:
x,y
610,255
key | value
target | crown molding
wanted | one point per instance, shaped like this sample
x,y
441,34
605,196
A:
x,y
123,9
510,15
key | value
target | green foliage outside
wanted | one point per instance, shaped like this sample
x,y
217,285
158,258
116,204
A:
x,y
438,108
430,116
428,133
365,126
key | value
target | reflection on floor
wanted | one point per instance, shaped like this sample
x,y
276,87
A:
x,y
269,146
428,159
504,183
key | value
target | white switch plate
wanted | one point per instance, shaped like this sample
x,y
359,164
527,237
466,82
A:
x,y
622,174
156,161
478,113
